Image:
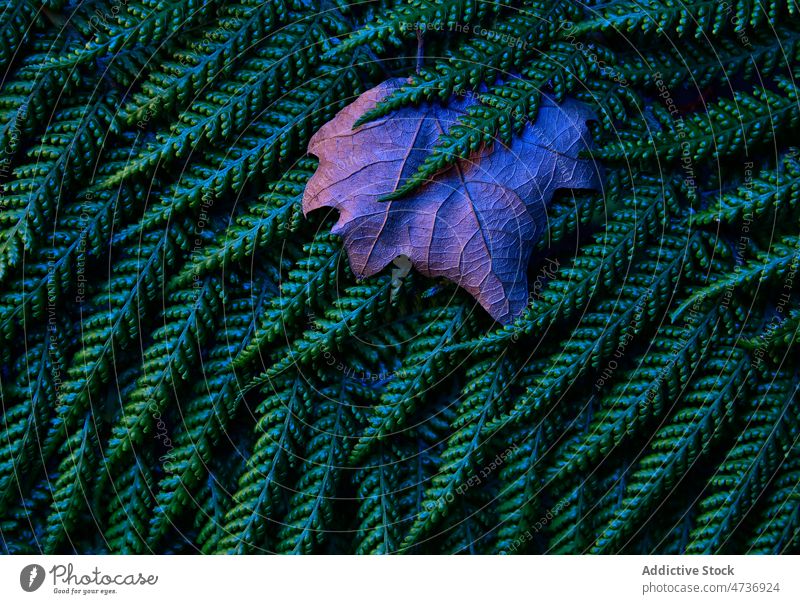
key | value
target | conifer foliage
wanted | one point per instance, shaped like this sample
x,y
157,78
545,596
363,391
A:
x,y
188,364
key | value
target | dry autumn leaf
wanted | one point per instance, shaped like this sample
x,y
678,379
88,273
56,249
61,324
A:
x,y
474,223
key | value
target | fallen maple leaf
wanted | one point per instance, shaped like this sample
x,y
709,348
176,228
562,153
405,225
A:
x,y
474,223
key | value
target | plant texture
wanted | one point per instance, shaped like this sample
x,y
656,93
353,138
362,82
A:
x,y
190,364
475,223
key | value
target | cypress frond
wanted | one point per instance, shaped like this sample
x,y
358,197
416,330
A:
x,y
188,321
135,24
207,414
275,215
698,66
642,394
311,506
481,59
280,131
781,259
693,18
755,457
778,522
356,309
613,326
378,490
130,507
708,407
727,127
281,415
29,404
72,489
405,18
113,324
17,21
64,155
480,402
310,281
774,189
416,378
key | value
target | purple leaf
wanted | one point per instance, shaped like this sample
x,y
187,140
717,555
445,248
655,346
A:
x,y
474,223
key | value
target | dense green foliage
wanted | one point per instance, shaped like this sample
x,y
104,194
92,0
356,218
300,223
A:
x,y
189,365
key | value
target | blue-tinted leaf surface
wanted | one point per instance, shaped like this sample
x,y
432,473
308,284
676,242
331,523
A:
x,y
474,223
